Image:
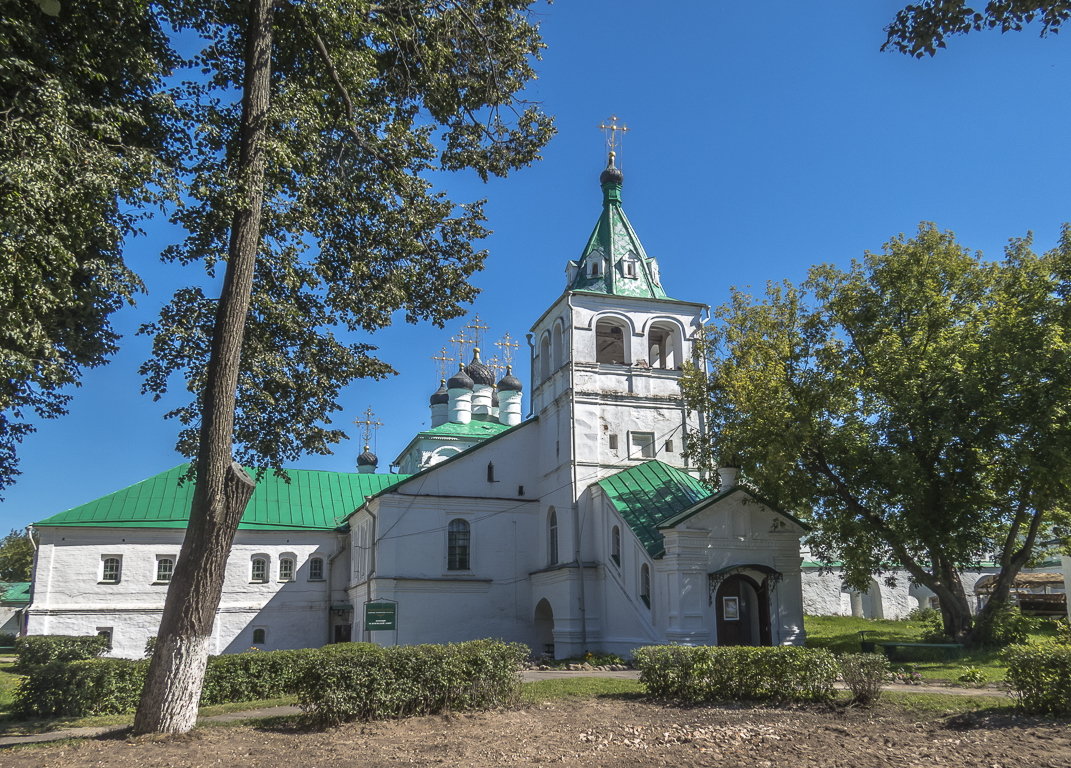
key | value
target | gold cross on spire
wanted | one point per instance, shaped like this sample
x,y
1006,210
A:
x,y
442,362
507,345
495,365
462,342
475,327
369,424
613,142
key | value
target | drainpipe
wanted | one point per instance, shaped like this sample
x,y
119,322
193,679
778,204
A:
x,y
531,373
330,584
582,603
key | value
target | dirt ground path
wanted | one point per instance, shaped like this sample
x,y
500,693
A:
x,y
622,732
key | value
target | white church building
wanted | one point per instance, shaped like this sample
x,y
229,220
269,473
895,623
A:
x,y
580,527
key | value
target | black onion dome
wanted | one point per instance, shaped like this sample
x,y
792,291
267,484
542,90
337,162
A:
x,y
478,372
440,396
459,380
510,383
367,459
611,175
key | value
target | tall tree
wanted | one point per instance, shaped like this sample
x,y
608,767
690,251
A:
x,y
312,188
913,406
920,29
85,141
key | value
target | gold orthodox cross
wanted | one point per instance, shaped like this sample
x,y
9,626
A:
x,y
475,327
442,362
462,341
613,142
507,345
369,425
495,365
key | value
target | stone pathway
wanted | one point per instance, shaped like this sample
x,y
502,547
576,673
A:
x,y
529,675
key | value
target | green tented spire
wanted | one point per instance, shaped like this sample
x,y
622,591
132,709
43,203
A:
x,y
614,261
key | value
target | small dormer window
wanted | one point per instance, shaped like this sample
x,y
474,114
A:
x,y
629,267
595,267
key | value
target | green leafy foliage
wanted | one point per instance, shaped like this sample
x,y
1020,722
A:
x,y
921,28
336,683
361,681
699,674
911,407
36,650
85,146
368,101
1040,677
971,676
16,557
865,675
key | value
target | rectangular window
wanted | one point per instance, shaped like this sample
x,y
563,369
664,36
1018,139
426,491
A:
x,y
106,633
111,570
642,445
259,570
286,569
613,442
316,569
669,446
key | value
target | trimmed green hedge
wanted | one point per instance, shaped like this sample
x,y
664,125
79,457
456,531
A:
x,y
695,675
339,682
113,686
1040,677
34,650
361,681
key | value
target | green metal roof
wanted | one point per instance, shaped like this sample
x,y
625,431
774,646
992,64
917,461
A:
x,y
17,592
649,494
614,243
478,429
311,500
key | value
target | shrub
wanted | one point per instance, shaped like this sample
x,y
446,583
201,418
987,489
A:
x,y
7,639
77,688
1008,626
693,675
1040,677
361,681
865,675
970,676
926,614
34,650
250,676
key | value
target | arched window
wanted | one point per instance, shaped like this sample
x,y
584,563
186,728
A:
x,y
316,569
286,569
609,343
260,636
457,545
663,347
615,545
594,266
544,357
111,570
557,345
552,537
165,568
491,472
645,585
258,570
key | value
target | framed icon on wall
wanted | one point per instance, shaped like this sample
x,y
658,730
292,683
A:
x,y
730,608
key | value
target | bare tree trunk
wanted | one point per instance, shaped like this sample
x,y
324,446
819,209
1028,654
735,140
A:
x,y
176,672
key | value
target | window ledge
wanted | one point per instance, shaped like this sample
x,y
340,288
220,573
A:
x,y
109,583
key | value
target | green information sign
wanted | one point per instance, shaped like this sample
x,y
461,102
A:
x,y
380,616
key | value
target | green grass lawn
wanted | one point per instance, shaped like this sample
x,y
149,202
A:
x,y
840,634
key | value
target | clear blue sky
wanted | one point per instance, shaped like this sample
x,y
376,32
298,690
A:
x,y
764,137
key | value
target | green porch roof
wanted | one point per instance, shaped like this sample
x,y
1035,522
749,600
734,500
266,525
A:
x,y
312,500
649,494
477,429
16,592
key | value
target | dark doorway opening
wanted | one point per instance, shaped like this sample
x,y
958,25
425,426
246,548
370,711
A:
x,y
742,608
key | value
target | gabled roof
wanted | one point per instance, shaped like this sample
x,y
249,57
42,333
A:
x,y
649,494
312,500
702,504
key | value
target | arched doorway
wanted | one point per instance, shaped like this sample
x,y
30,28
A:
x,y
742,608
544,629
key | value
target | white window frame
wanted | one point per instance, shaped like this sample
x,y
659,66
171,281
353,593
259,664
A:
x,y
263,579
312,570
171,573
636,449
118,577
292,561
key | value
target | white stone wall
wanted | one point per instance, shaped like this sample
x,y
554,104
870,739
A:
x,y
70,599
